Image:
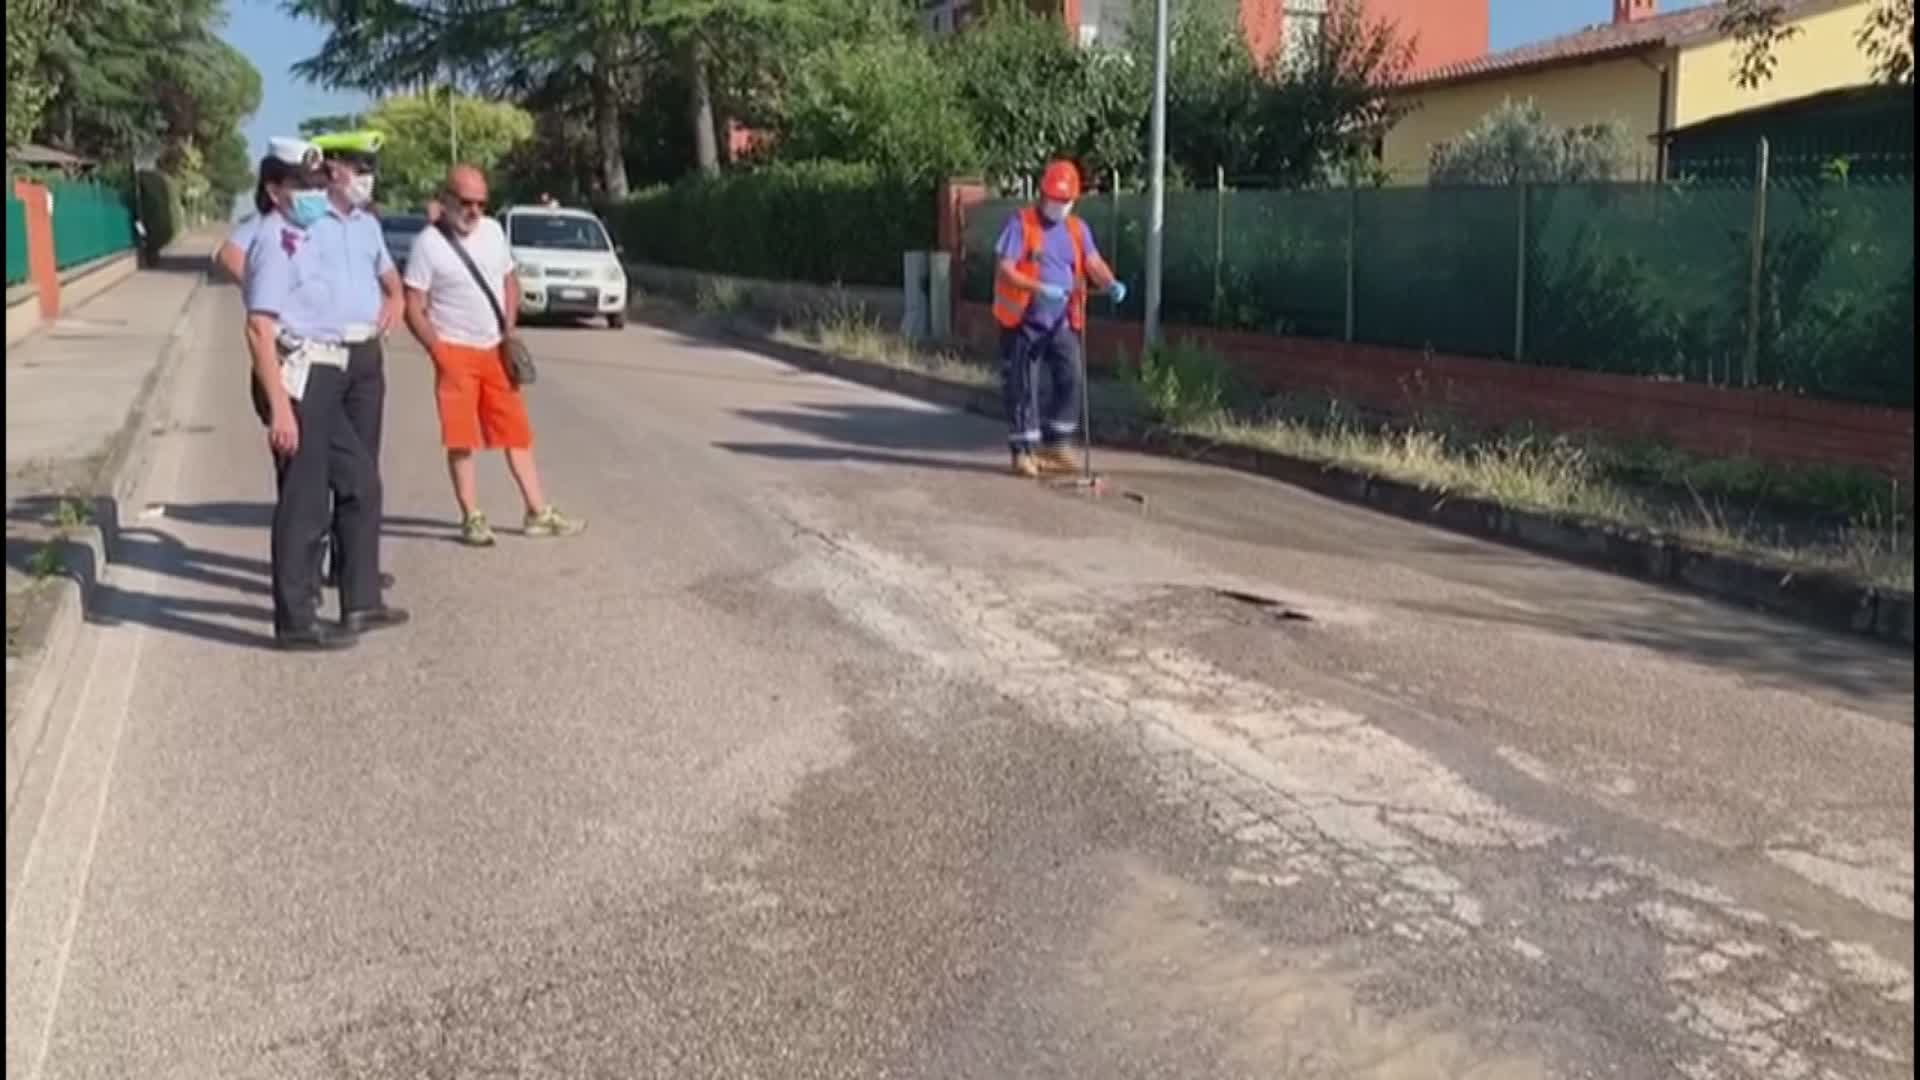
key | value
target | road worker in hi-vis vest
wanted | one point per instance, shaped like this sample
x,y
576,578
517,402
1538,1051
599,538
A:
x,y
1046,259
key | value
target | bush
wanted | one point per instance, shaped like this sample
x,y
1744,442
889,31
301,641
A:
x,y
1183,381
817,221
160,209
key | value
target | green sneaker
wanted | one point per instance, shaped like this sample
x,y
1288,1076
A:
x,y
475,532
551,522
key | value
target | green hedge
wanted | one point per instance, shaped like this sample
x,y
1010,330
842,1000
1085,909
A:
x,y
820,222
160,210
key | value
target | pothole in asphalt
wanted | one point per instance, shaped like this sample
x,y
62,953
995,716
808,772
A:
x,y
1266,604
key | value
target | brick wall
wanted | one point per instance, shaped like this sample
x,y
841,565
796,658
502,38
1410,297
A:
x,y
1705,420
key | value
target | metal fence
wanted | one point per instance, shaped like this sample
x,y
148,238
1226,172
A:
x,y
16,241
89,221
1804,284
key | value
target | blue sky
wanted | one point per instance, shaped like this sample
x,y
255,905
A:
x,y
275,41
1516,22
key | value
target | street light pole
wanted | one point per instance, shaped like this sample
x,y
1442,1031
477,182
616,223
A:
x,y
1157,176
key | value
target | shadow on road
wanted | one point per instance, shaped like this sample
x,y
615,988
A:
x,y
56,554
162,553
876,434
259,515
1762,649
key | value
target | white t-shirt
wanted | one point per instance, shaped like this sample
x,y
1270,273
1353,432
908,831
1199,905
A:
x,y
456,307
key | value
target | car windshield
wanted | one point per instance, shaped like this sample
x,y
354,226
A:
x,y
557,232
402,224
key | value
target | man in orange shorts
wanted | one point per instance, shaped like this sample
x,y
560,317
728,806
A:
x,y
463,305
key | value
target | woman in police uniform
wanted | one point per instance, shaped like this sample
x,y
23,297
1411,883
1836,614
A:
x,y
296,333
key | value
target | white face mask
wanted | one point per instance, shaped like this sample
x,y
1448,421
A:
x,y
1055,211
360,190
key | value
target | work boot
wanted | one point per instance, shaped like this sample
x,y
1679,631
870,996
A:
x,y
1057,460
1024,465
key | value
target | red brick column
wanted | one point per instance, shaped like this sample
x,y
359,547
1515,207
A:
x,y
956,197
41,268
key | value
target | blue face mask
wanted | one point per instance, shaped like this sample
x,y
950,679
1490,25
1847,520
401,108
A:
x,y
307,207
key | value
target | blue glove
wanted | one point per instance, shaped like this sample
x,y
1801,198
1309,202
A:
x,y
1118,291
1051,291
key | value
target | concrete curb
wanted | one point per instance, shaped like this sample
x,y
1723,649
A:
x,y
83,559
1818,598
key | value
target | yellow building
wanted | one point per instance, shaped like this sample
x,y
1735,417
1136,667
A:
x,y
1646,72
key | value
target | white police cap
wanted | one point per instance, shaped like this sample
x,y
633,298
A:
x,y
299,153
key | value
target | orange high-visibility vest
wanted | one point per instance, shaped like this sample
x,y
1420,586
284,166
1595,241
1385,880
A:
x,y
1010,301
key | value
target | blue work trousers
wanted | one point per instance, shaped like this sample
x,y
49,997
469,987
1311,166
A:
x,y
1040,408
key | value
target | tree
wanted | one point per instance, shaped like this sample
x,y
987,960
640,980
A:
x,y
1034,95
321,125
1759,27
1286,124
29,26
1514,144
383,46
883,102
419,147
229,167
128,78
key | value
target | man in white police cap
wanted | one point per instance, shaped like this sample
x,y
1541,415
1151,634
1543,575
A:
x,y
370,281
302,318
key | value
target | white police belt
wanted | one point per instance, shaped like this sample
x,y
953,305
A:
x,y
299,360
359,333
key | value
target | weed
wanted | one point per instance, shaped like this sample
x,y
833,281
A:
x,y
719,296
71,514
1182,381
844,328
45,561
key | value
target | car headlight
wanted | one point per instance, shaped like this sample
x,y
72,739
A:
x,y
528,270
614,275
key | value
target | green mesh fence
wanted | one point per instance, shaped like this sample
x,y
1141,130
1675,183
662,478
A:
x,y
1628,278
1836,297
89,221
1639,279
16,241
1435,267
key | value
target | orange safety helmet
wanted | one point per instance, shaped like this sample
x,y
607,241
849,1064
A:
x,y
1060,182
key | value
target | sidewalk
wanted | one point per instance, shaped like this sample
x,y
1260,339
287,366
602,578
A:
x,y
77,394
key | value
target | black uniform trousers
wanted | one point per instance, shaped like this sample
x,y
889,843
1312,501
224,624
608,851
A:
x,y
329,485
365,404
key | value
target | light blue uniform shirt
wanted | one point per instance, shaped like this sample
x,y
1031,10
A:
x,y
243,233
352,249
293,279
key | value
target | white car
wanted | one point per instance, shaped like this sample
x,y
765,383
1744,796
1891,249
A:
x,y
568,266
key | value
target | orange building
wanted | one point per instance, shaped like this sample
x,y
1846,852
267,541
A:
x,y
1443,31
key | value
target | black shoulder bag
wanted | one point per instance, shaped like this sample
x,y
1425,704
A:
x,y
513,351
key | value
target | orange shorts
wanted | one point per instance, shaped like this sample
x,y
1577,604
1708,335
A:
x,y
479,408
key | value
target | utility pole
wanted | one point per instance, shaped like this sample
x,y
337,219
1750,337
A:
x,y
1157,176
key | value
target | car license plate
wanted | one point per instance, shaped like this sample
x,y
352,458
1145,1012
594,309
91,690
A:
x,y
573,294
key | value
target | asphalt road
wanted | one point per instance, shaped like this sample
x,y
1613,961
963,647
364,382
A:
x,y
830,751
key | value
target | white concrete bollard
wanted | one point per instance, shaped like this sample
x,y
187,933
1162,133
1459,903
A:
x,y
913,323
940,295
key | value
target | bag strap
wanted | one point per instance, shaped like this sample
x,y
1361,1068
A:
x,y
479,279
